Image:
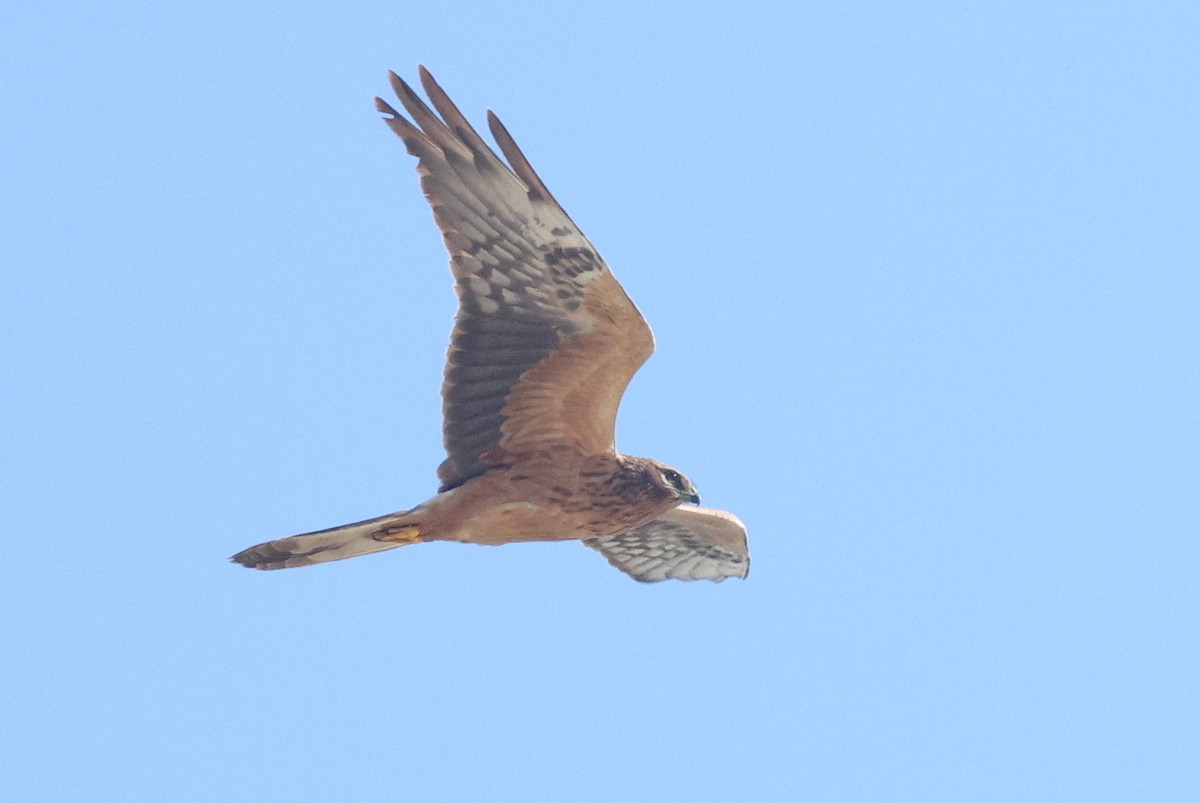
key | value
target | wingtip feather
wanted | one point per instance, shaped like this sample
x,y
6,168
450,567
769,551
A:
x,y
516,159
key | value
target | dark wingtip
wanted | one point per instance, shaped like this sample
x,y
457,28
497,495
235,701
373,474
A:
x,y
398,85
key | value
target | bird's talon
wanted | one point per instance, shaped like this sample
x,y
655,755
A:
x,y
400,535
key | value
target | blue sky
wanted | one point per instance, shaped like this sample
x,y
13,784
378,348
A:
x,y
924,283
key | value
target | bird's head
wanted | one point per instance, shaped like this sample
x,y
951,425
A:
x,y
674,482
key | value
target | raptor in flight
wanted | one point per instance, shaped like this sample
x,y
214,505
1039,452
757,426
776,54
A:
x,y
544,344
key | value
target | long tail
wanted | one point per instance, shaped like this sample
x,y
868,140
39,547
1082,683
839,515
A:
x,y
336,543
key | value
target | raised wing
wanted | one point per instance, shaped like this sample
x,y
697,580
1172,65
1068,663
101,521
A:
x,y
687,543
545,340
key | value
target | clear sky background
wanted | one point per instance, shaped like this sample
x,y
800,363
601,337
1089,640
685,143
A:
x,y
924,282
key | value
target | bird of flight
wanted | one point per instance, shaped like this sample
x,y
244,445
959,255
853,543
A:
x,y
544,344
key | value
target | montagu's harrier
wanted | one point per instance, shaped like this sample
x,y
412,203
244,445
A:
x,y
544,344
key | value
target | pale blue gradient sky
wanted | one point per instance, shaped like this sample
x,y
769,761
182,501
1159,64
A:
x,y
924,282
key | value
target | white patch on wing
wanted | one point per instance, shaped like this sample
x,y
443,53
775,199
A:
x,y
479,285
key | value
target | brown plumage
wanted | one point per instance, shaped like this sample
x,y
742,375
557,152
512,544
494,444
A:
x,y
544,344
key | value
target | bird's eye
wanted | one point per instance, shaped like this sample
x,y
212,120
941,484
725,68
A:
x,y
673,478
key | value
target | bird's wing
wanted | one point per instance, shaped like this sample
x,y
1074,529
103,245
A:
x,y
687,543
545,340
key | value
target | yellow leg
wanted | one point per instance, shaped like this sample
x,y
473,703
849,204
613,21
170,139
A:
x,y
409,534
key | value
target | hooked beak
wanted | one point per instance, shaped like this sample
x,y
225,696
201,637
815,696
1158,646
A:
x,y
695,497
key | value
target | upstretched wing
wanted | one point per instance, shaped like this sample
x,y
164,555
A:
x,y
687,543
545,340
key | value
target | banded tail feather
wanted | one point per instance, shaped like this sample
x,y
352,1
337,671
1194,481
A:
x,y
336,543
